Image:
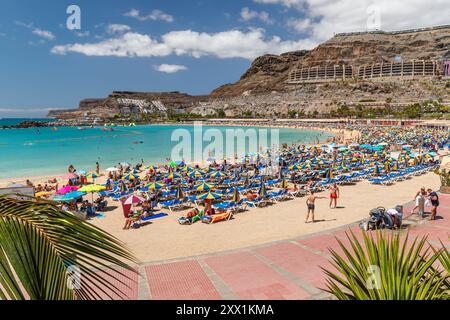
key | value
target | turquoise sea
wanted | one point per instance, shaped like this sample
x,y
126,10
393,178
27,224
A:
x,y
42,151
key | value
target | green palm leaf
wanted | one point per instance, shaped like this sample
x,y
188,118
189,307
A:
x,y
40,245
403,270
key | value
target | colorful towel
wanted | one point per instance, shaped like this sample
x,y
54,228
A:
x,y
155,216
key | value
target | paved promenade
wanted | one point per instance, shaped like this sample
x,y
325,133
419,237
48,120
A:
x,y
289,269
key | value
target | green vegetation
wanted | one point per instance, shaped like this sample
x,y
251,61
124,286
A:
x,y
40,245
384,268
428,109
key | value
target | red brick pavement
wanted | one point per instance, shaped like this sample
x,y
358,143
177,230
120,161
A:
x,y
180,280
275,271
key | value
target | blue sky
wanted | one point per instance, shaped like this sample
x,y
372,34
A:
x,y
164,45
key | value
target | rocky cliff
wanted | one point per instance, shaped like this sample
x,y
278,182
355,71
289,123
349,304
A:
x,y
262,90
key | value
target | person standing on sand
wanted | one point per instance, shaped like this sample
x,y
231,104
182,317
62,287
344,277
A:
x,y
97,168
334,195
311,204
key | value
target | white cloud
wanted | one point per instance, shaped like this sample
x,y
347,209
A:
x,y
155,15
333,16
83,34
48,35
299,25
45,34
286,3
117,28
170,68
247,15
226,44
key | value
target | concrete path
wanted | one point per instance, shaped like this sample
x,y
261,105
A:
x,y
288,270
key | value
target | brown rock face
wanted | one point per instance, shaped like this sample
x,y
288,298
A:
x,y
269,72
262,89
266,74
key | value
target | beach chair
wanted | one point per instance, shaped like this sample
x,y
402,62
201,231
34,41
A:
x,y
172,204
225,216
226,205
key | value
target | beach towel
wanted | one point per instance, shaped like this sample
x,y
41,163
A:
x,y
155,216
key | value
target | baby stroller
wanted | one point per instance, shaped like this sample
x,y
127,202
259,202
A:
x,y
379,219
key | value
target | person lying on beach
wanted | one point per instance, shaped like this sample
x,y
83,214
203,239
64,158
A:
x,y
251,196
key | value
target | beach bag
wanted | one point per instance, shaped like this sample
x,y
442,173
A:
x,y
184,221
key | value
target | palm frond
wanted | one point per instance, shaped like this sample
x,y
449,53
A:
x,y
383,268
40,245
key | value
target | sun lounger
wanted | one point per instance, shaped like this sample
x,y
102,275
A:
x,y
172,204
217,217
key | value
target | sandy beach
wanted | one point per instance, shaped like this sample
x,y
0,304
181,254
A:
x,y
166,239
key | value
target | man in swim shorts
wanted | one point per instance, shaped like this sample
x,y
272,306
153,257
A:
x,y
334,195
311,204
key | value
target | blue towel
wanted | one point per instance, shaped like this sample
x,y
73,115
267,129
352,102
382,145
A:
x,y
155,216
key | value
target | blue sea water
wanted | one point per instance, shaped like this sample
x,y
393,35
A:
x,y
42,151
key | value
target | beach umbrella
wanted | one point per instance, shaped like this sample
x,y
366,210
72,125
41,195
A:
x,y
247,181
92,188
218,174
262,191
130,177
334,157
112,169
156,186
395,166
204,187
376,171
330,174
133,200
43,194
66,189
92,175
236,196
173,176
295,167
70,196
172,164
180,193
283,184
196,173
188,169
209,196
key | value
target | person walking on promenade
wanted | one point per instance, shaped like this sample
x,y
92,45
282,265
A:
x,y
434,198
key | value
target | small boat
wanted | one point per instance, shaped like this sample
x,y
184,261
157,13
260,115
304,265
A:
x,y
54,129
